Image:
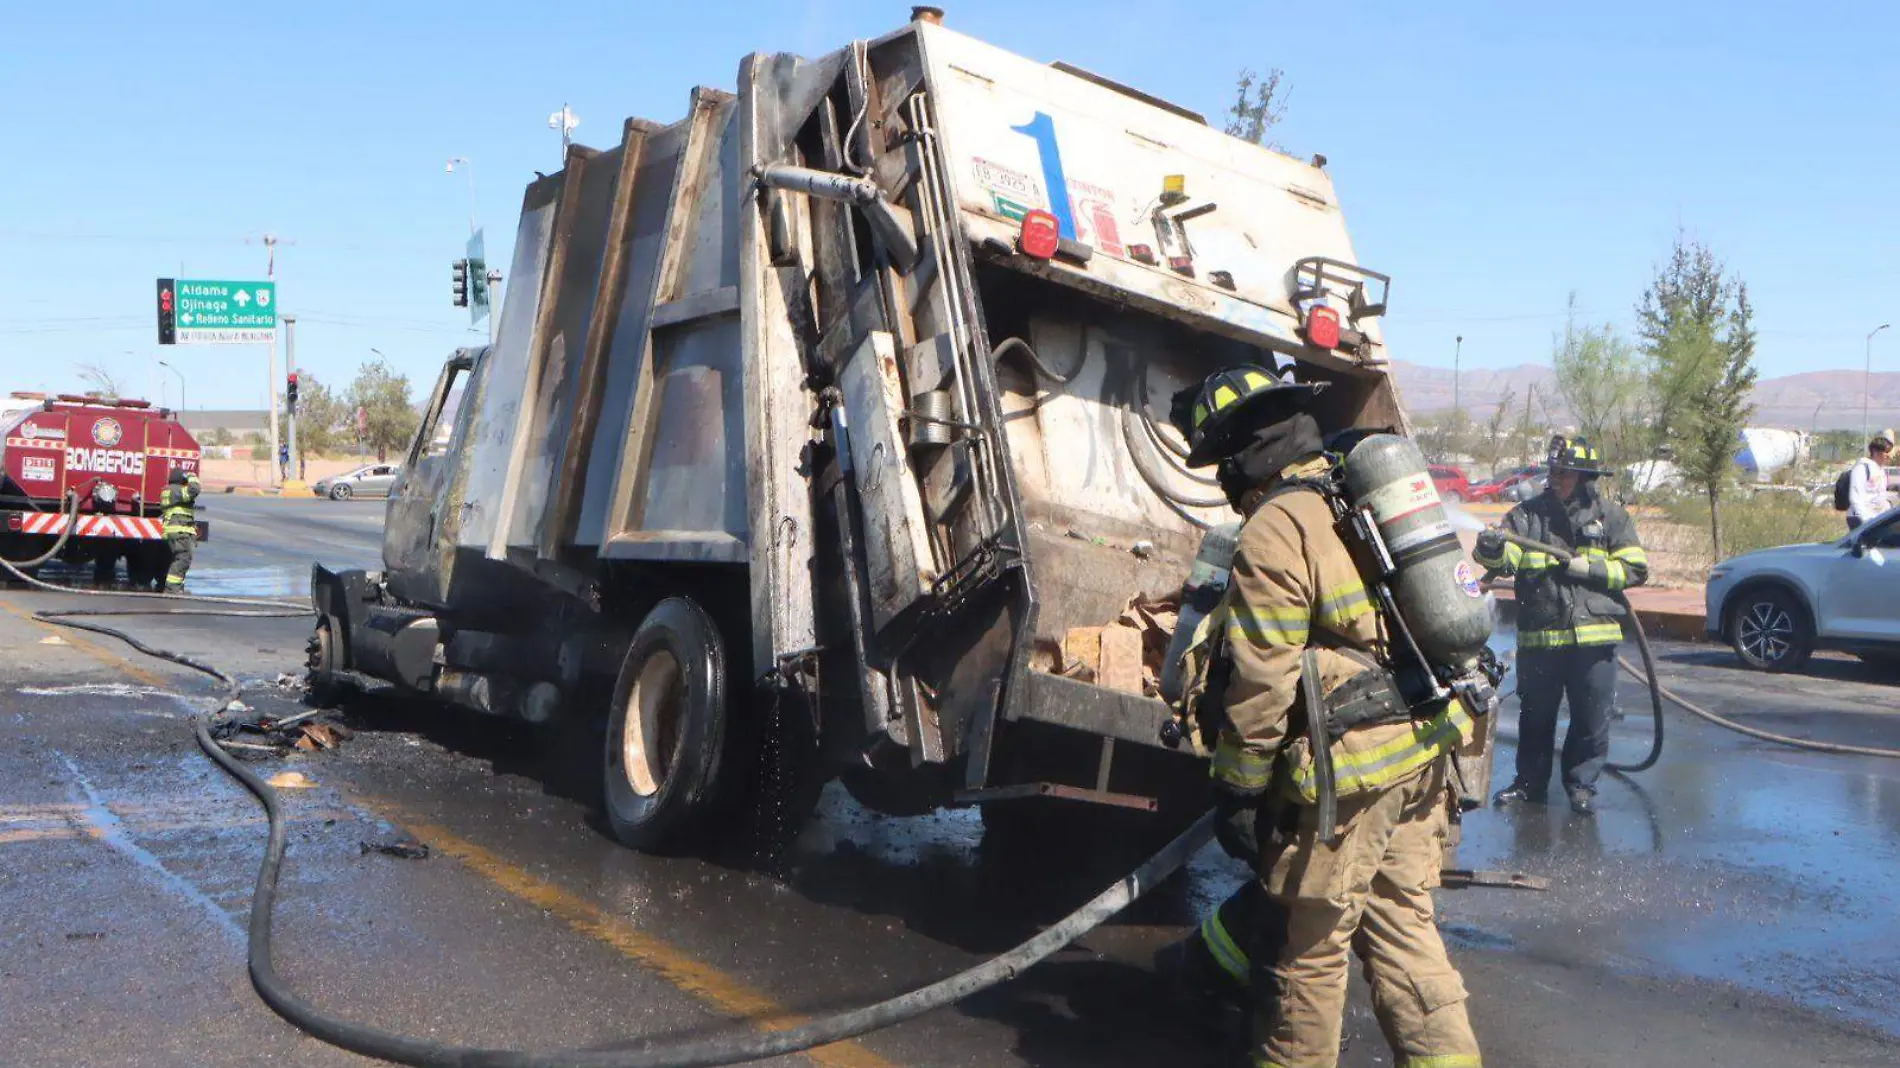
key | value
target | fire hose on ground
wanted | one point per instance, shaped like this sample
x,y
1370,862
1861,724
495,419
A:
x,y
735,1047
1658,692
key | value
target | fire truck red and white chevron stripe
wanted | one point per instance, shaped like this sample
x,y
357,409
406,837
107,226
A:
x,y
96,526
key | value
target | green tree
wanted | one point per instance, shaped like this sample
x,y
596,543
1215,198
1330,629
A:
x,y
1602,378
1259,105
321,417
389,419
1698,330
219,436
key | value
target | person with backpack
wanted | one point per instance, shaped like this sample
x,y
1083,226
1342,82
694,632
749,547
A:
x,y
1861,491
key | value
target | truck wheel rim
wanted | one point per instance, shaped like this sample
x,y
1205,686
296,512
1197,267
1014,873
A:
x,y
1767,632
651,731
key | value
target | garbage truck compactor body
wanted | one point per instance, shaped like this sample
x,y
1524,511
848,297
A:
x,y
838,408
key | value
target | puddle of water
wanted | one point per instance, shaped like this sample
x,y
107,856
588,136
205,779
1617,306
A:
x,y
280,581
249,581
120,690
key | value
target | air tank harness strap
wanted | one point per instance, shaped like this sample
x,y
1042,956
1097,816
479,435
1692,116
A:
x,y
1319,735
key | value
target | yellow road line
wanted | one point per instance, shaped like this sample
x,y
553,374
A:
x,y
695,977
99,653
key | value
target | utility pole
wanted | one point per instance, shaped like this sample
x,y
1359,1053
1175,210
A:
x,y
270,272
1867,381
564,120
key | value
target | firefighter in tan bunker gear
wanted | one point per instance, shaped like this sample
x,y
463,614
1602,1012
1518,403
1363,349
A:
x,y
1297,605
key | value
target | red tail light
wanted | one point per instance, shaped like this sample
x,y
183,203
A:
x,y
1040,236
1322,327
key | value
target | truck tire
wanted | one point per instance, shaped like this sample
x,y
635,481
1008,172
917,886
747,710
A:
x,y
667,728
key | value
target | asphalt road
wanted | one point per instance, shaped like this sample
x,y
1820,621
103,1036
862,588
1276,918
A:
x,y
1739,905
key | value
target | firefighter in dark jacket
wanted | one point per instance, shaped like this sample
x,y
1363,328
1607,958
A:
x,y
1568,624
1298,628
178,516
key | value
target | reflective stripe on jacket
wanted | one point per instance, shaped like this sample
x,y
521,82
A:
x,y
1554,609
177,511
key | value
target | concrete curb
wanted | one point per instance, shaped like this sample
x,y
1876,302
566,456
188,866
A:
x,y
1675,624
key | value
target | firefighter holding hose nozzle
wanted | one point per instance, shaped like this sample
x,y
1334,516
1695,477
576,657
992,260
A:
x,y
1568,622
1325,775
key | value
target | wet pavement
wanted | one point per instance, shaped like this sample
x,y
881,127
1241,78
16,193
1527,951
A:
x,y
1737,905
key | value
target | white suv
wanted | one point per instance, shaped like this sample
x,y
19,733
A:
x,y
1777,606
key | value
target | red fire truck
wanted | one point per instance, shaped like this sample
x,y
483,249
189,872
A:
x,y
90,470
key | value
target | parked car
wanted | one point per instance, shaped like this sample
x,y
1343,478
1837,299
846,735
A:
x,y
1450,481
1777,606
370,480
1504,488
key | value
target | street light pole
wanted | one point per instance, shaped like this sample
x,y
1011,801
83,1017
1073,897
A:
x,y
181,383
1457,357
1867,379
270,272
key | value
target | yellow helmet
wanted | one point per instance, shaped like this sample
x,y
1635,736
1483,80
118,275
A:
x,y
1218,416
1576,454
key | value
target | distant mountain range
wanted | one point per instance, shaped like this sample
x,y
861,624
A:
x,y
1825,400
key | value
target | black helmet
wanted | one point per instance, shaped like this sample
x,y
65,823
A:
x,y
1218,416
1575,454
178,476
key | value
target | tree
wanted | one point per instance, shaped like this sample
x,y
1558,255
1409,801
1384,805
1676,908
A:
x,y
389,420
102,381
1602,378
1445,437
1259,105
1494,438
219,436
1698,329
321,415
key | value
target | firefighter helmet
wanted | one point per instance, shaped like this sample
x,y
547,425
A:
x,y
1218,416
178,476
1576,454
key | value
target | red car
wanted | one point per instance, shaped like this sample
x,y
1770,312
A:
x,y
1451,483
1501,489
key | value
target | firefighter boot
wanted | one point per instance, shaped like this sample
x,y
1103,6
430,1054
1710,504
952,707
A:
x,y
1518,791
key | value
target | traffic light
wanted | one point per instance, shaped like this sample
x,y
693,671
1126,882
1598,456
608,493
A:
x,y
461,283
290,391
167,312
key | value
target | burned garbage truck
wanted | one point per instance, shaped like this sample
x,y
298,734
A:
x,y
840,405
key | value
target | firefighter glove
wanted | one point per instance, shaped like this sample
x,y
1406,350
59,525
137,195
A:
x,y
1578,568
1490,544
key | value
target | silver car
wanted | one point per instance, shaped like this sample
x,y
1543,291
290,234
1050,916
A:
x,y
370,480
1776,606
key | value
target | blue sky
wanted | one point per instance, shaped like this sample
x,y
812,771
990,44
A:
x,y
1492,157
